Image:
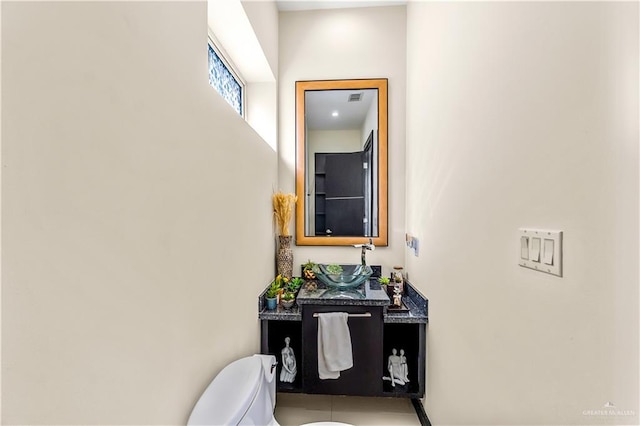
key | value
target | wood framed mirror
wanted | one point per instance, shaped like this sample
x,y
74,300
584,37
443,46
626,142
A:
x,y
341,162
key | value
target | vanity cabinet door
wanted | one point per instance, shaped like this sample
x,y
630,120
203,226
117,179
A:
x,y
365,377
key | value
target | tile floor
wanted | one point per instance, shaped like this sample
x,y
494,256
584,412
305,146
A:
x,y
296,409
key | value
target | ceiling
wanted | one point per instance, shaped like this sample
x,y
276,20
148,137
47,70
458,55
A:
x,y
291,5
321,104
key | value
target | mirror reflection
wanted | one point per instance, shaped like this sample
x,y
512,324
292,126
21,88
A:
x,y
341,170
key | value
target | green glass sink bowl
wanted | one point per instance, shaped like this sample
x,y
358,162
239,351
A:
x,y
342,276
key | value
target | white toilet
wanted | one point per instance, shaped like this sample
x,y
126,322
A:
x,y
243,393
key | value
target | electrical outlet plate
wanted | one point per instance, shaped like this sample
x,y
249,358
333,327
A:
x,y
541,250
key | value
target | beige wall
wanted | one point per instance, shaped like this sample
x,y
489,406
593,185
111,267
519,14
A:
x,y
343,44
263,15
525,115
136,215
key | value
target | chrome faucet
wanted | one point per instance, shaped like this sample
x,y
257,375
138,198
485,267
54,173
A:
x,y
365,247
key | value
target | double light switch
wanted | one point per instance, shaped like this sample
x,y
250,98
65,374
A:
x,y
541,250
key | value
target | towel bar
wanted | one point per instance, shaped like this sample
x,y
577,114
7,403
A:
x,y
365,315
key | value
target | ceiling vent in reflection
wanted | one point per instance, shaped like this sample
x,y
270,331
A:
x,y
355,97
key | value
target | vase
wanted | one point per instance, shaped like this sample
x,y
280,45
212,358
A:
x,y
272,303
397,277
287,304
284,257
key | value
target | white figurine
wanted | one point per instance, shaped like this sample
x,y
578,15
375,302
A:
x,y
397,297
404,372
289,369
395,369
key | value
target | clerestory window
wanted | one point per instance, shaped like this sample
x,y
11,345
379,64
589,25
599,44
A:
x,y
225,80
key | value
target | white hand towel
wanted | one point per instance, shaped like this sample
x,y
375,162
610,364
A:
x,y
334,345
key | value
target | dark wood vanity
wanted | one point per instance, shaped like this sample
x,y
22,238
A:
x,y
375,330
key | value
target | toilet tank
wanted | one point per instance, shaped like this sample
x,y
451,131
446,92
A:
x,y
242,393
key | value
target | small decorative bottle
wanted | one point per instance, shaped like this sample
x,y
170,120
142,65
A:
x,y
397,277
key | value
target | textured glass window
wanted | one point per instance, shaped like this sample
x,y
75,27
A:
x,y
224,81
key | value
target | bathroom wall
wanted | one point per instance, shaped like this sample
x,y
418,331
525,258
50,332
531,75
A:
x,y
136,214
263,16
247,34
344,44
525,115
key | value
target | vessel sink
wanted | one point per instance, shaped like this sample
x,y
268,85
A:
x,y
342,276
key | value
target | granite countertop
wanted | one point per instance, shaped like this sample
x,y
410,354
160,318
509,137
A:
x,y
417,304
368,294
280,313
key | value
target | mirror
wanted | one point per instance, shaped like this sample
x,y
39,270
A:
x,y
341,162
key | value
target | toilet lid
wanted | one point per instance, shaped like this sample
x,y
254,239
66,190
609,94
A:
x,y
230,394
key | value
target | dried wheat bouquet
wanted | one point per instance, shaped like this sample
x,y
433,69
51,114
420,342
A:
x,y
283,209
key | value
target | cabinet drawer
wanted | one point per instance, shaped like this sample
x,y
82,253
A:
x,y
365,377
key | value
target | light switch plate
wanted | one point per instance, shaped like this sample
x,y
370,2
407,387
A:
x,y
413,243
544,250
